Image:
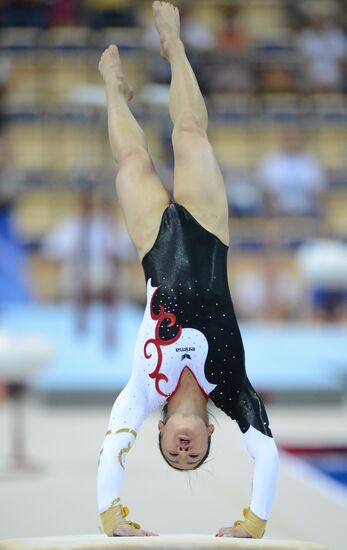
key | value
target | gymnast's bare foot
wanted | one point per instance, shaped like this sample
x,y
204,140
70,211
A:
x,y
167,22
110,67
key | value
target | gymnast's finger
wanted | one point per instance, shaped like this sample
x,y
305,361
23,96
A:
x,y
127,530
221,532
226,532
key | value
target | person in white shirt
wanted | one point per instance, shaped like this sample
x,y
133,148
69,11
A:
x,y
291,178
323,47
88,248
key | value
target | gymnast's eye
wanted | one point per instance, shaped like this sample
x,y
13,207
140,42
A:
x,y
193,456
173,454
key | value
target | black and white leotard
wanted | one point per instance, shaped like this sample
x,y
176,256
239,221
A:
x,y
189,321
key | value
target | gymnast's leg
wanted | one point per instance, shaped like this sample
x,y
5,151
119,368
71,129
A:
x,y
198,182
142,196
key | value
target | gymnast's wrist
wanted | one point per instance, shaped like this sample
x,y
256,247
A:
x,y
114,516
253,524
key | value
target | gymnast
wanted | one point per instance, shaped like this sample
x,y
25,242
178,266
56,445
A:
x,y
189,348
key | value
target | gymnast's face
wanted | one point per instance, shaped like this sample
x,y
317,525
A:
x,y
184,440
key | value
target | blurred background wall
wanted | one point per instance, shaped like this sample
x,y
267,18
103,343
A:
x,y
274,76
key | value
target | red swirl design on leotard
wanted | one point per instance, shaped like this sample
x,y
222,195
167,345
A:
x,y
157,341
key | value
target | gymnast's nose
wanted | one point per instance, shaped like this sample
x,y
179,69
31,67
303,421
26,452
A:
x,y
184,444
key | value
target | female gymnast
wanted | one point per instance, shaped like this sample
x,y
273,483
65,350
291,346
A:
x,y
189,348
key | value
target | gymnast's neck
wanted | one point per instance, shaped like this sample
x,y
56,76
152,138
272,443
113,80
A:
x,y
188,398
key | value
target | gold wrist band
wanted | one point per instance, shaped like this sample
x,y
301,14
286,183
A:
x,y
115,516
252,524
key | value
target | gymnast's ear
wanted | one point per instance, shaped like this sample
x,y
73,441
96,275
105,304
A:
x,y
210,429
161,425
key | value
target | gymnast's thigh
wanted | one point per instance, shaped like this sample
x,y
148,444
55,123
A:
x,y
198,181
143,199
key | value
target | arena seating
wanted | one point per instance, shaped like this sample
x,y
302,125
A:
x,y
56,140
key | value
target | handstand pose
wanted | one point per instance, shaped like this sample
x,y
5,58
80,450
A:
x,y
189,348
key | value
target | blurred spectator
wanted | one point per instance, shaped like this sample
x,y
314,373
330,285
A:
x,y
110,13
250,293
196,36
89,248
226,68
230,35
65,12
25,13
291,178
224,71
323,46
276,66
267,290
244,197
324,267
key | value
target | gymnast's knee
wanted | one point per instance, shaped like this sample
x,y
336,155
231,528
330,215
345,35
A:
x,y
134,155
189,125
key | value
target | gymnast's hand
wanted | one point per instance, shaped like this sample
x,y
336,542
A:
x,y
126,530
235,531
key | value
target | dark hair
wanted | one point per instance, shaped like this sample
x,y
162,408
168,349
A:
x,y
166,460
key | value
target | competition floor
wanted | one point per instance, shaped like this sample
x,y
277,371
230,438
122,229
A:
x,y
59,497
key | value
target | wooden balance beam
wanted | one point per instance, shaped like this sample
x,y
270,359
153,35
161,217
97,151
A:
x,y
182,542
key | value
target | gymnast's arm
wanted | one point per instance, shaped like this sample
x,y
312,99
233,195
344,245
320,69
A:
x,y
128,412
252,419
248,410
